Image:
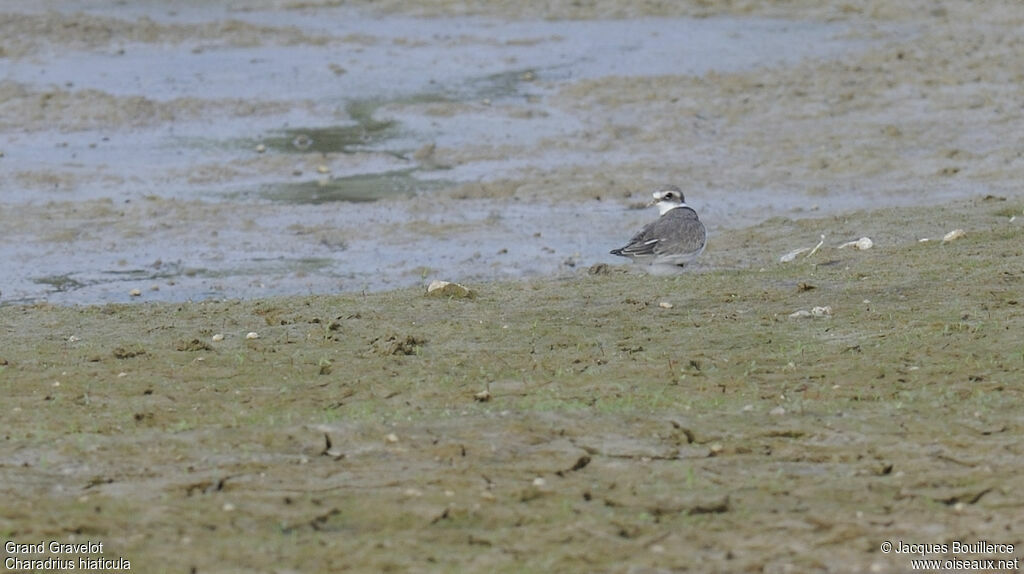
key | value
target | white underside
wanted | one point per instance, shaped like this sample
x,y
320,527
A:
x,y
664,270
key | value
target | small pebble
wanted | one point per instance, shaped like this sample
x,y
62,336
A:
x,y
217,337
665,305
777,411
228,507
73,339
953,235
392,438
135,292
862,244
539,482
438,288
252,335
323,169
261,148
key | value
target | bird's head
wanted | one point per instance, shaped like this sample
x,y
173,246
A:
x,y
667,197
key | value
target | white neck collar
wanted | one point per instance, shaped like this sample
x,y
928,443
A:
x,y
665,207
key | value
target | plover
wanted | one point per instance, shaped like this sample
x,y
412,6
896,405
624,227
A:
x,y
678,237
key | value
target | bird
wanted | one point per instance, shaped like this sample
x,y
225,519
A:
x,y
675,239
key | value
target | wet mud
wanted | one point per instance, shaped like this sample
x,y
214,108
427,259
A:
x,y
218,353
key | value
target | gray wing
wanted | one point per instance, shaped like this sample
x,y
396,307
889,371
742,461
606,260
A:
x,y
678,232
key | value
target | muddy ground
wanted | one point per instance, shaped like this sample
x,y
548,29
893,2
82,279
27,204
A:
x,y
627,423
593,421
512,166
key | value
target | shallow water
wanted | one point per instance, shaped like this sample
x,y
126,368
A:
x,y
315,152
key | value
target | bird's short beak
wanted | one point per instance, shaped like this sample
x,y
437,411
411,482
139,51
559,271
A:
x,y
654,201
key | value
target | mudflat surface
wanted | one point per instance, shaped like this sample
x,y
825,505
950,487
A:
x,y
749,416
782,417
213,150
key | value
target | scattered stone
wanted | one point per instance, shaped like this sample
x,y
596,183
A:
x,y
193,345
252,335
862,244
711,507
580,463
261,148
954,235
825,311
483,396
391,438
599,269
135,293
439,288
323,169
539,482
74,339
217,338
302,142
777,412
395,345
128,352
325,367
665,305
